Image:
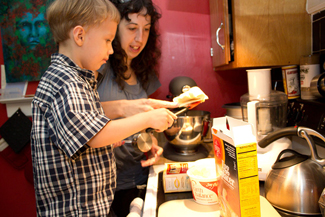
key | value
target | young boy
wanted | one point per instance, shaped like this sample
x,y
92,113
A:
x,y
73,163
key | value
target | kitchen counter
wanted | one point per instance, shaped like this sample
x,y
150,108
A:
x,y
151,202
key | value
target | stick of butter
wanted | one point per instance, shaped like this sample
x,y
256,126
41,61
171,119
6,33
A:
x,y
192,95
175,178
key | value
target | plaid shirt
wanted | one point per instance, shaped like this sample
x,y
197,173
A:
x,y
70,178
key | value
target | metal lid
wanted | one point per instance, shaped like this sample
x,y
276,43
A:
x,y
179,84
289,161
144,142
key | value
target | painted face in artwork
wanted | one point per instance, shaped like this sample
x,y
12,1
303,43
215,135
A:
x,y
32,30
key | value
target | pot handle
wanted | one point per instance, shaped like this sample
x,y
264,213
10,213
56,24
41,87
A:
x,y
285,151
304,133
288,131
206,124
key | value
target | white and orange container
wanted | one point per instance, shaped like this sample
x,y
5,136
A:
x,y
204,183
291,81
236,160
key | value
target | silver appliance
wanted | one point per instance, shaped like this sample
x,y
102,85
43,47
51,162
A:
x,y
190,130
266,110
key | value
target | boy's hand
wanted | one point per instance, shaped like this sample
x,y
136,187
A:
x,y
161,119
154,153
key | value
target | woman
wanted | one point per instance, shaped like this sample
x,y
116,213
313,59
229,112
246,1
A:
x,y
131,74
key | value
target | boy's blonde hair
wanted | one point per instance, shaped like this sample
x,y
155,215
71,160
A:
x,y
63,15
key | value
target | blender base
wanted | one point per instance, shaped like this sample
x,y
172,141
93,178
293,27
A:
x,y
171,154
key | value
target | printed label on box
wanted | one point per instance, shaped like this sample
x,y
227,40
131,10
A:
x,y
237,159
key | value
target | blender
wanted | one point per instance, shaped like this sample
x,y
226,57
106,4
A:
x,y
266,110
190,130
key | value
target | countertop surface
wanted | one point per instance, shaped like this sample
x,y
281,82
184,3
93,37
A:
x,y
150,208
151,202
188,208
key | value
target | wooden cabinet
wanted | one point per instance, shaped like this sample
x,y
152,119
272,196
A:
x,y
267,33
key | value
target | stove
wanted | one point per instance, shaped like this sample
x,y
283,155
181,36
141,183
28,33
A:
x,y
172,154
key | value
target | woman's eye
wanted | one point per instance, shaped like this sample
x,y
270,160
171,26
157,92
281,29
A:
x,y
131,29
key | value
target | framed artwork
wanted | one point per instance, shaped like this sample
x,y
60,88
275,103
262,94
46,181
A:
x,y
26,39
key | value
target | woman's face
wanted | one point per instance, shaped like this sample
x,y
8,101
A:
x,y
134,34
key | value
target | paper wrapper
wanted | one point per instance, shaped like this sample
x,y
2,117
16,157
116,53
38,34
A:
x,y
194,94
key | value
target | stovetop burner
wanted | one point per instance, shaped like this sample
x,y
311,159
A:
x,y
171,153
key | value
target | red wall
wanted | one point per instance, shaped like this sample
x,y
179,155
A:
x,y
186,42
185,31
185,36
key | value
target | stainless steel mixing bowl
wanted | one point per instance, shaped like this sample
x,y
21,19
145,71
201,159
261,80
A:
x,y
188,131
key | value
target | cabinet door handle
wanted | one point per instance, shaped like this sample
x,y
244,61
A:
x,y
217,37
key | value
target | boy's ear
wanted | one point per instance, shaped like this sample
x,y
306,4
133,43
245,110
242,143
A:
x,y
78,35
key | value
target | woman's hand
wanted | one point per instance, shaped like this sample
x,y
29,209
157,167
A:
x,y
154,153
126,108
132,107
156,103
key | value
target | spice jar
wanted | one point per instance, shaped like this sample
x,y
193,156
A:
x,y
309,68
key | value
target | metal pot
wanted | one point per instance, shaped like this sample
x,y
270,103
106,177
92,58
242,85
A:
x,y
295,182
142,142
188,131
317,85
233,110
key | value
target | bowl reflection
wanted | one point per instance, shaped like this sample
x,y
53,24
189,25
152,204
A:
x,y
188,130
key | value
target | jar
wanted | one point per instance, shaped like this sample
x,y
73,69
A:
x,y
291,81
309,68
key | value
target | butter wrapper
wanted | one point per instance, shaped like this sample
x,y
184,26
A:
x,y
175,178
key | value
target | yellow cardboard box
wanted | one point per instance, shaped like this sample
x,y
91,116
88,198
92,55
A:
x,y
236,159
175,178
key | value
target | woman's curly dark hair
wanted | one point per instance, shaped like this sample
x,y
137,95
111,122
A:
x,y
146,63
